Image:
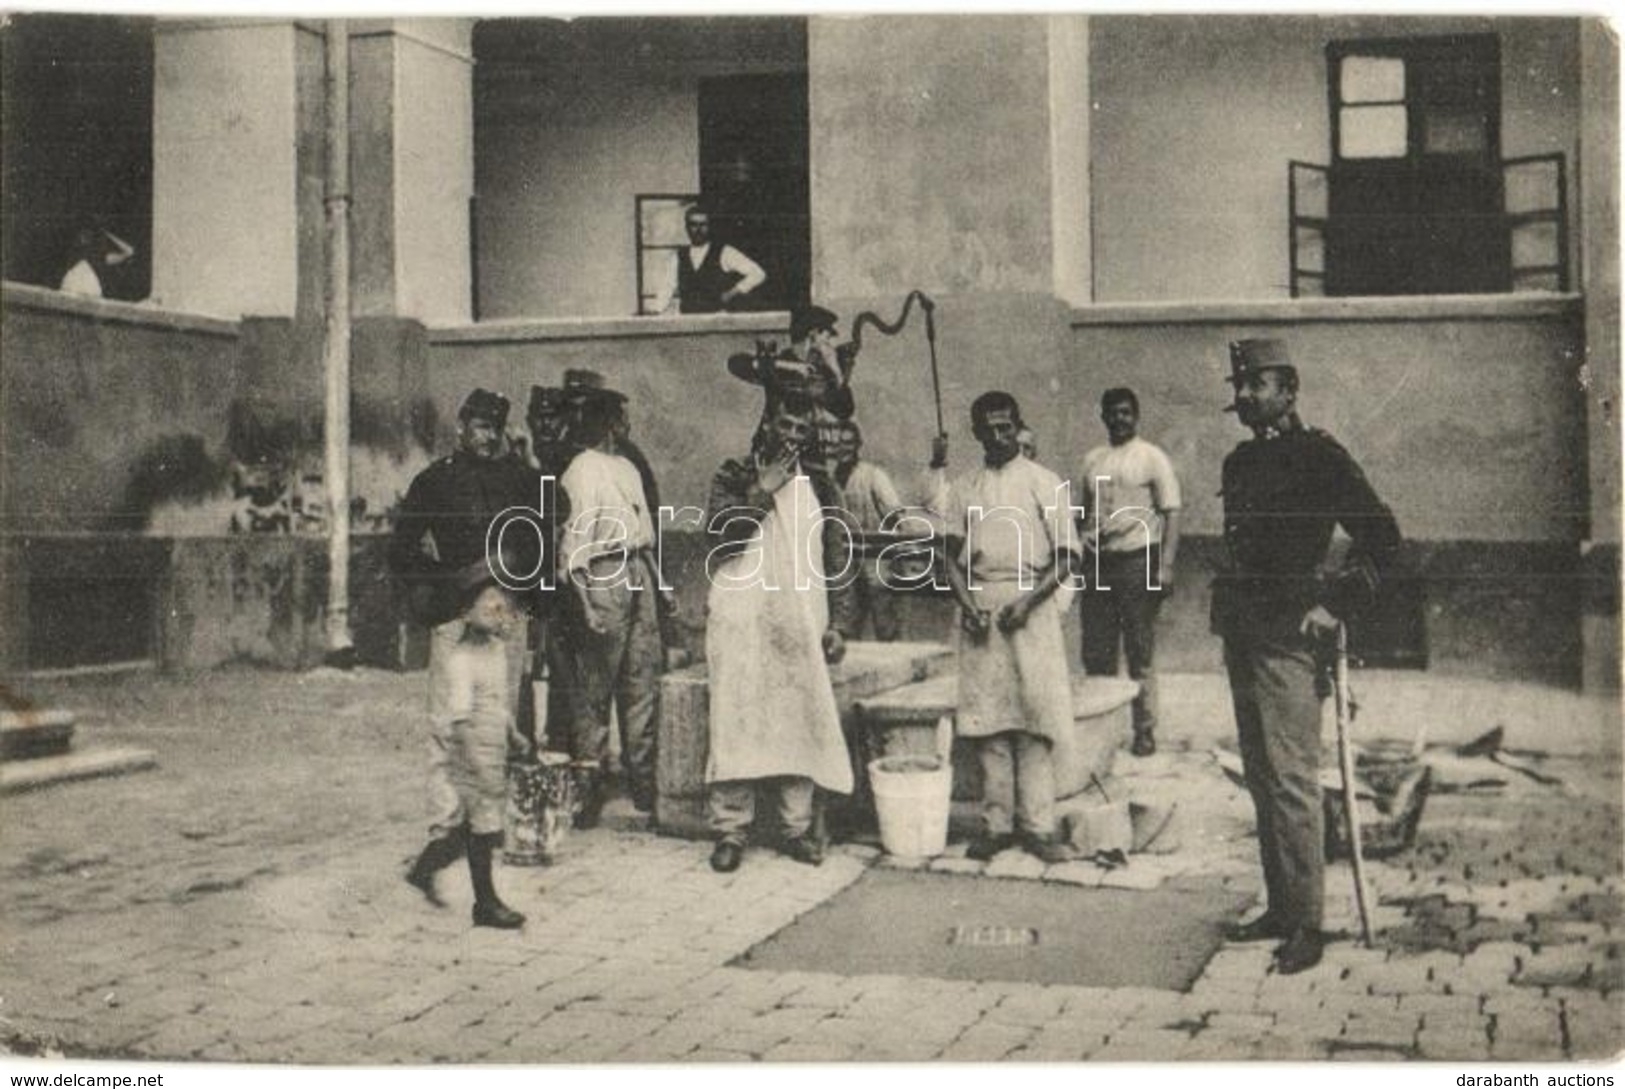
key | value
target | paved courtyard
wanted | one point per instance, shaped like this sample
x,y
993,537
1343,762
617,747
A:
x,y
244,902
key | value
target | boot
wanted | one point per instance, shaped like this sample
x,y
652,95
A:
x,y
437,855
489,910
1145,743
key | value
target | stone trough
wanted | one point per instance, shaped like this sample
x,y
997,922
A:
x,y
891,697
868,669
904,721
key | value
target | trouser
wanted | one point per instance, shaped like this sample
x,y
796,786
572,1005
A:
x,y
1018,783
1124,613
467,777
873,599
554,659
620,666
731,805
1272,684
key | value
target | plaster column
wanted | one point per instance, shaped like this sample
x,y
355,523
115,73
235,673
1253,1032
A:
x,y
1599,280
950,155
226,118
412,165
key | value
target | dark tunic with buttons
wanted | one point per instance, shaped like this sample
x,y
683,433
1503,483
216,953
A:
x,y
1284,494
442,523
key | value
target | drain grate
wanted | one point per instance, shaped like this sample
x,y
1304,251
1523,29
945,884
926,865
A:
x,y
894,922
993,936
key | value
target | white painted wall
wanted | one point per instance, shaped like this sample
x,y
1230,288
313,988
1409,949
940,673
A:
x,y
1195,117
434,168
1069,157
224,228
557,174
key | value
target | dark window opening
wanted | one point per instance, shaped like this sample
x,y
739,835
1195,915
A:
x,y
753,176
1415,194
77,118
590,133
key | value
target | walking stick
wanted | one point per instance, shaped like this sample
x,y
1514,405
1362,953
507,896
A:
x,y
1345,759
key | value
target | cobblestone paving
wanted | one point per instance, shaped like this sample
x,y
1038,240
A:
x,y
244,903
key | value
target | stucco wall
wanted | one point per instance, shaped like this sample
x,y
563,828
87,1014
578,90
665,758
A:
x,y
556,185
1472,429
434,168
930,155
687,411
86,397
1196,116
224,209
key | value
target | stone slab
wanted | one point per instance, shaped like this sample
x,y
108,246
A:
x,y
904,720
30,734
20,775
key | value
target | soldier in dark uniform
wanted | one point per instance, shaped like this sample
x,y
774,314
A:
x,y
438,549
1278,610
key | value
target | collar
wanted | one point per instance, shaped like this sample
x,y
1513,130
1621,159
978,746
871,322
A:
x,y
1288,425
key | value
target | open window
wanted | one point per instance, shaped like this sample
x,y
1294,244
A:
x,y
585,129
77,100
1415,193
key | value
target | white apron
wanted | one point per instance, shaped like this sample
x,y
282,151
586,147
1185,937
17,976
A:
x,y
1017,681
772,704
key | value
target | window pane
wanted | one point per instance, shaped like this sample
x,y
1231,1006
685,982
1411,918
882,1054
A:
x,y
1531,187
662,221
1309,187
1372,132
1447,132
1373,79
1534,244
659,278
1535,281
1311,248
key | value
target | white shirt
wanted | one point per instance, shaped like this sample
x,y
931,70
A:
x,y
1126,489
82,280
870,496
1013,519
608,512
731,260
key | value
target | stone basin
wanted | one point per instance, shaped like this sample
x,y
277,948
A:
x,y
685,730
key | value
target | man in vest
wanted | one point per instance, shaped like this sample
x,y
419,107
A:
x,y
711,276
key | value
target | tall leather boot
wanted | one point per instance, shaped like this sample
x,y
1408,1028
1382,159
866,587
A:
x,y
489,910
437,855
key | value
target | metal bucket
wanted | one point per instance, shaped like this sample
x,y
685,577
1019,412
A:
x,y
541,799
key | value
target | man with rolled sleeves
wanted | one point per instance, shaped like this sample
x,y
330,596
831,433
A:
x,y
607,564
1131,503
1011,552
439,551
1278,610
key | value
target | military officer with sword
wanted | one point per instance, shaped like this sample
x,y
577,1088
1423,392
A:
x,y
1280,616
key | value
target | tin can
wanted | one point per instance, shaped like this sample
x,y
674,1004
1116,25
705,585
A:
x,y
541,799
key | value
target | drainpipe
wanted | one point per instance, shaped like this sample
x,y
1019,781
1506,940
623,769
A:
x,y
336,429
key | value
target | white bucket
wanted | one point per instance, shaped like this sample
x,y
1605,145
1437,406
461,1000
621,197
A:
x,y
911,800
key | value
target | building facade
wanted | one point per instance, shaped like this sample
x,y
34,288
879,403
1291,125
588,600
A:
x,y
1090,201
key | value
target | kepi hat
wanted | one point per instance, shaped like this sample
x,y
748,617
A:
x,y
485,405
1250,357
806,320
581,384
